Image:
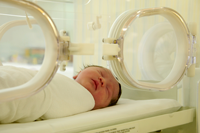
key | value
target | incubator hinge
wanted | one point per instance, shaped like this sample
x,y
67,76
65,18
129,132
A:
x,y
64,48
193,49
192,58
64,52
110,48
68,48
192,36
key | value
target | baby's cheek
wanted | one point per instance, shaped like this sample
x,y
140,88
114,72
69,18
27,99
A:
x,y
100,97
87,85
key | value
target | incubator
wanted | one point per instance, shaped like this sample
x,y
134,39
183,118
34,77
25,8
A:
x,y
138,63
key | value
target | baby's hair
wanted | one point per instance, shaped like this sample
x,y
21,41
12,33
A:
x,y
113,101
86,66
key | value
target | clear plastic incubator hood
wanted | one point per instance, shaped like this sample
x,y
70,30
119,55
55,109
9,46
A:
x,y
52,53
159,59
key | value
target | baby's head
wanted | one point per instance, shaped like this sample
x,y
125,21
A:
x,y
100,82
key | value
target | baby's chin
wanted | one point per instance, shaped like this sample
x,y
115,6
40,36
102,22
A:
x,y
96,107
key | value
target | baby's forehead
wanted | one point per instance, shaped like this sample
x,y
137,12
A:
x,y
104,69
108,72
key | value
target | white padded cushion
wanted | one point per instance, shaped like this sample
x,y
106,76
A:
x,y
164,55
126,110
157,52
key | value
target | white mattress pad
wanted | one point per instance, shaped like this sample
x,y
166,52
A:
x,y
126,110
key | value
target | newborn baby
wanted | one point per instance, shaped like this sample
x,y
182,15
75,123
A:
x,y
100,82
92,88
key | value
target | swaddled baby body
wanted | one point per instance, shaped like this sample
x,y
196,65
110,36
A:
x,y
62,97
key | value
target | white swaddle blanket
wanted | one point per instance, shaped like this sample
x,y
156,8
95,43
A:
x,y
62,97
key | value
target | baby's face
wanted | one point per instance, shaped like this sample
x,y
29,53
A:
x,y
100,83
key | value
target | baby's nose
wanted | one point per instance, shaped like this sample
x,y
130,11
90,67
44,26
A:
x,y
102,81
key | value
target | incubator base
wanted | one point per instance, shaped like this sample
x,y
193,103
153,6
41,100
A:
x,y
157,124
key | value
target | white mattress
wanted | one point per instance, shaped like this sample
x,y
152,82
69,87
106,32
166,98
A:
x,y
126,110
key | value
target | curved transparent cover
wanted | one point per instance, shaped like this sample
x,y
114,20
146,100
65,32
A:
x,y
154,48
32,44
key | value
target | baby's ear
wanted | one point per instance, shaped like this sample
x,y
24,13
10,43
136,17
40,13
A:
x,y
74,77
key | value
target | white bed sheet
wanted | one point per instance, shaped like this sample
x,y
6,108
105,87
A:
x,y
126,110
